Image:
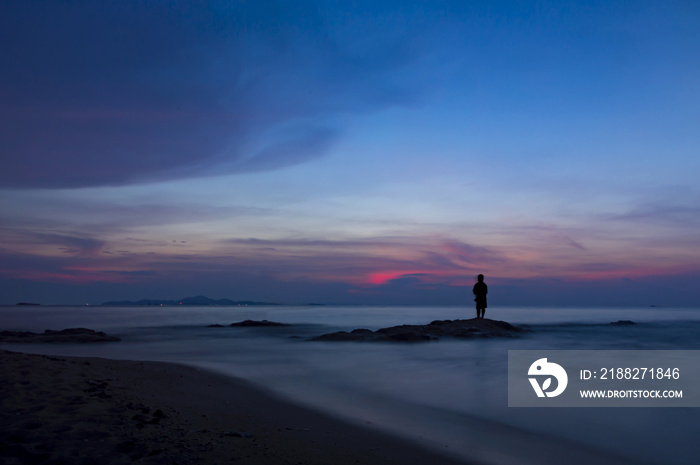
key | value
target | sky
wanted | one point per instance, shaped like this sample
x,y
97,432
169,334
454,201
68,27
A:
x,y
360,152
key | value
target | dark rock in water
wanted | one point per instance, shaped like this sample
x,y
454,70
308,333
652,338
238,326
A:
x,y
66,335
473,328
356,335
258,323
623,323
250,323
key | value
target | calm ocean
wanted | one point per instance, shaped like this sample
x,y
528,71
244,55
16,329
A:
x,y
450,394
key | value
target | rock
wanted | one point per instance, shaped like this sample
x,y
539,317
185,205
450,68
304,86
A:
x,y
355,335
258,323
215,326
465,329
623,323
66,335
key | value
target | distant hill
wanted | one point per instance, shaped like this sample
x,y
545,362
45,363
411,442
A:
x,y
199,300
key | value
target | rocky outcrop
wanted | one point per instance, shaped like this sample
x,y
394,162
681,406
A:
x,y
66,335
623,323
250,323
465,329
258,323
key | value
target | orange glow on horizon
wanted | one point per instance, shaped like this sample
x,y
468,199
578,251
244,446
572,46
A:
x,y
432,276
384,276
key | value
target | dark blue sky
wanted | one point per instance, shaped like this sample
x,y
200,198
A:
x,y
372,152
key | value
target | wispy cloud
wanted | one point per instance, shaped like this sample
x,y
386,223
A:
x,y
46,243
110,94
670,216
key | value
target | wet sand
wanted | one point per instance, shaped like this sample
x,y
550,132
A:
x,y
58,410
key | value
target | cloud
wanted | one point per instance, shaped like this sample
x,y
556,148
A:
x,y
115,93
304,145
381,270
95,217
81,244
360,262
135,273
75,245
471,254
669,215
365,261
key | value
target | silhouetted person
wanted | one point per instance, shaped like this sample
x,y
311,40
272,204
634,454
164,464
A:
x,y
480,290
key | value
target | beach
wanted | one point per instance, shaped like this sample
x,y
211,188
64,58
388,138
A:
x,y
176,390
93,410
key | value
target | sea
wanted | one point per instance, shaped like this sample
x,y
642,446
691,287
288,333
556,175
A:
x,y
448,394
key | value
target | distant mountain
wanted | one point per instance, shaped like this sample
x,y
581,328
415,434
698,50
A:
x,y
199,300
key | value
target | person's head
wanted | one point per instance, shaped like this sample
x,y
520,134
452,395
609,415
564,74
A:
x,y
480,278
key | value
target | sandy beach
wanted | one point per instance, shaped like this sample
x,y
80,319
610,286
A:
x,y
91,410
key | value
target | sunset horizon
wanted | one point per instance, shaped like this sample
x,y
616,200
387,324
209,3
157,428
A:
x,y
377,155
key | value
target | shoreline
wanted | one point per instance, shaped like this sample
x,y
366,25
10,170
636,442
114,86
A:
x,y
442,419
82,409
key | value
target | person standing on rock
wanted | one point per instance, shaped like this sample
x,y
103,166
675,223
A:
x,y
480,290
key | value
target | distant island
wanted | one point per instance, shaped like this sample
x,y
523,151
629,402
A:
x,y
199,300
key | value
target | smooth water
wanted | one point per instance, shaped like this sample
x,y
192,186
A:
x,y
450,394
